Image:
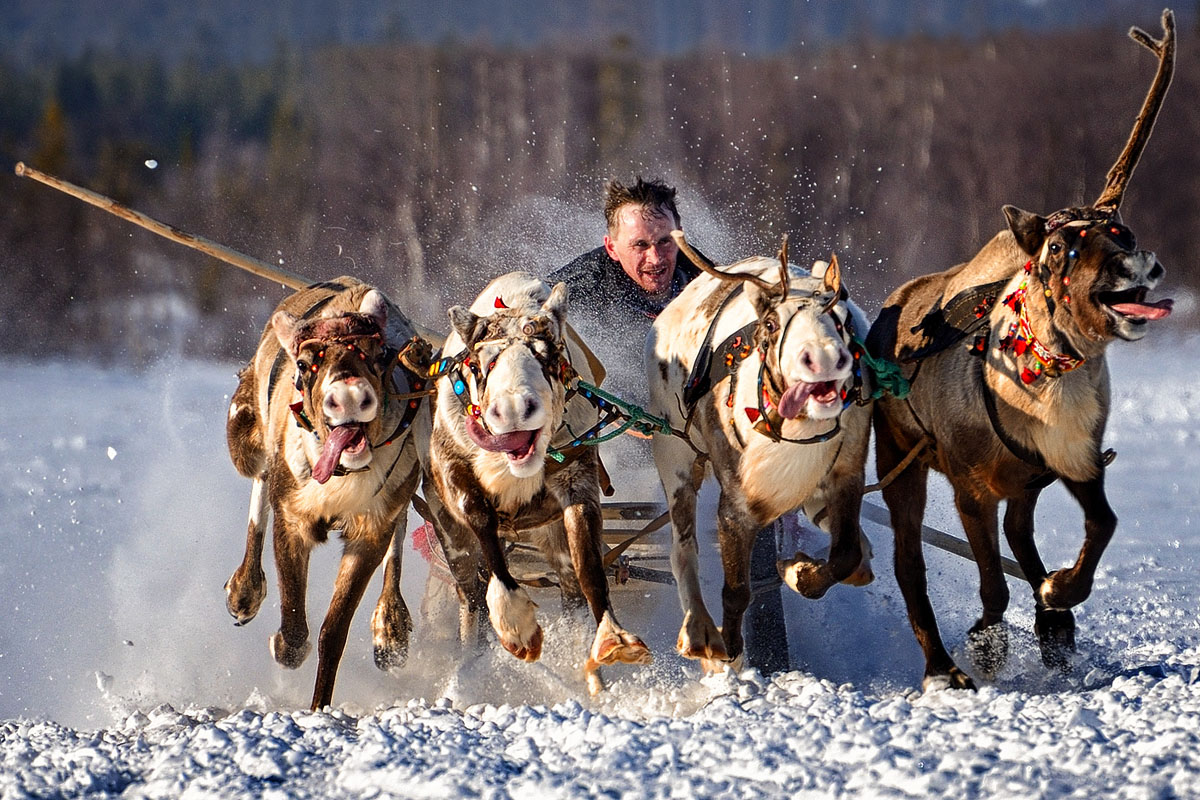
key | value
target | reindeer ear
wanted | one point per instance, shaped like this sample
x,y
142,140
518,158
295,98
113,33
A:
x,y
556,304
1027,227
284,324
833,276
468,326
374,304
831,280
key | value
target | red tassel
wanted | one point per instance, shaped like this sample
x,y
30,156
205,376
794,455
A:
x,y
500,303
753,414
1028,375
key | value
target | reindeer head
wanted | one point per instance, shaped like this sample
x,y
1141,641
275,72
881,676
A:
x,y
340,371
802,335
1088,267
1092,275
513,379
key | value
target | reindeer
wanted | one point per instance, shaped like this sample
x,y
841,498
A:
x,y
772,407
501,416
1010,392
331,443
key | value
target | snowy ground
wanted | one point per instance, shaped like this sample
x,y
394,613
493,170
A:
x,y
122,675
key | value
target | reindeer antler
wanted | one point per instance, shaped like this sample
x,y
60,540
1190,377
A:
x,y
783,272
705,265
1118,176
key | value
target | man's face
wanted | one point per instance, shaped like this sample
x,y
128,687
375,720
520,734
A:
x,y
642,243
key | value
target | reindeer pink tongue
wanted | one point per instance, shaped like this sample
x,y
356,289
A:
x,y
1156,310
793,400
338,440
515,442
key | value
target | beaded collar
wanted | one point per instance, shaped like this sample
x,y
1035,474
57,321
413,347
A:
x,y
1021,340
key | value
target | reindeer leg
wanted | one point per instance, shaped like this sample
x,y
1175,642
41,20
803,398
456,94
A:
x,y
554,546
905,499
1055,629
842,490
736,529
1064,589
463,559
987,639
247,587
699,636
391,622
612,643
362,554
510,609
1018,530
289,645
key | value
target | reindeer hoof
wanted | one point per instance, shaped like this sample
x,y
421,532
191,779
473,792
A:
x,y
527,651
390,658
804,575
244,595
615,645
1060,590
700,638
290,656
988,648
1056,636
514,619
628,649
391,625
714,667
954,679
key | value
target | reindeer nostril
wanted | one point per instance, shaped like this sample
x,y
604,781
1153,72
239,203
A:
x,y
1157,271
807,360
531,406
841,361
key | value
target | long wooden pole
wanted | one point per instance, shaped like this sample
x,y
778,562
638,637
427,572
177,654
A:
x,y
220,251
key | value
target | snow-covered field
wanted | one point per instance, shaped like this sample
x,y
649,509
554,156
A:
x,y
122,675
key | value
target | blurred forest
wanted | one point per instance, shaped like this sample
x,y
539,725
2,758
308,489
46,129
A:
x,y
428,168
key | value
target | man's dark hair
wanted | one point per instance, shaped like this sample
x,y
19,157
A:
x,y
652,196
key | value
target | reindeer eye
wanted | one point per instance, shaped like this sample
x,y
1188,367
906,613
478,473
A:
x,y
771,326
302,366
1055,248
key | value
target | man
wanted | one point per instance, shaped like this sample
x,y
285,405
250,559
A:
x,y
628,280
616,291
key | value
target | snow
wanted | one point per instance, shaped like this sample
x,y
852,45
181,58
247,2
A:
x,y
121,674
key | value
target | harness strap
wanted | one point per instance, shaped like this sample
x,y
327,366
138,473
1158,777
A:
x,y
708,372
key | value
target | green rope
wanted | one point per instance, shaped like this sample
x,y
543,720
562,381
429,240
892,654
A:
x,y
635,417
887,374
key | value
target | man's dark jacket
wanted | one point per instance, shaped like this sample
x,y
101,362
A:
x,y
601,291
